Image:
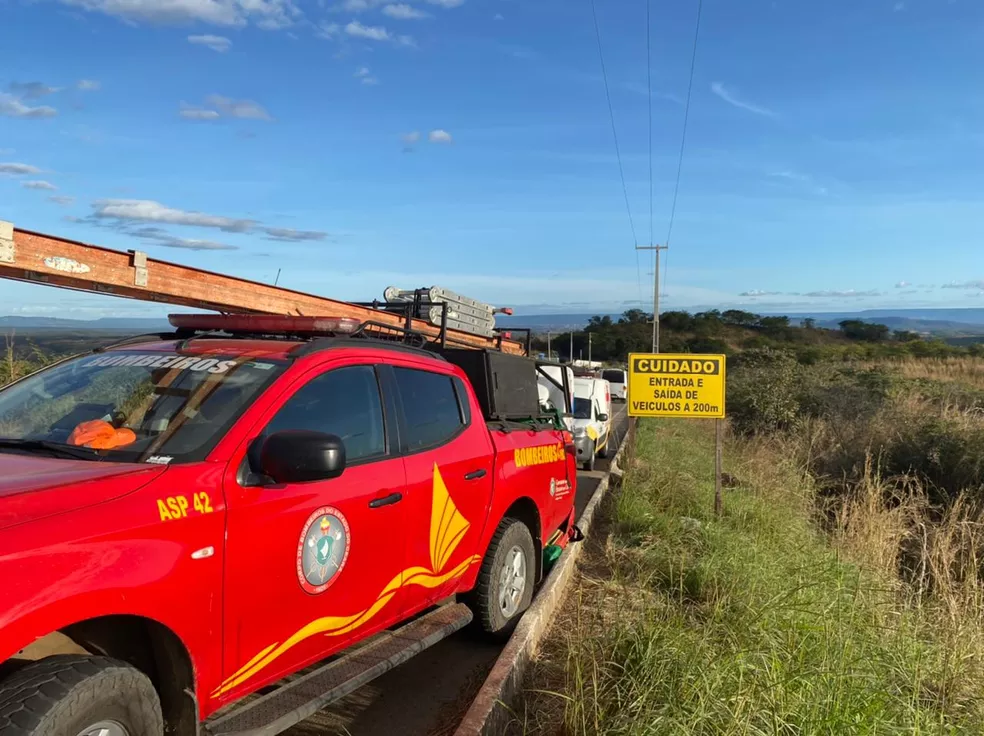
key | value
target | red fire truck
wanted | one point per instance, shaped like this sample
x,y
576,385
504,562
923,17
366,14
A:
x,y
223,529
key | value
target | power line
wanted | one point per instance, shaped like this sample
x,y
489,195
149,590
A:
x,y
618,153
649,88
683,136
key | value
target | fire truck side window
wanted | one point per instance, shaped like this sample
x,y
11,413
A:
x,y
343,402
430,406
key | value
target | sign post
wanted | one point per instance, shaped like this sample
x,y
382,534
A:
x,y
683,385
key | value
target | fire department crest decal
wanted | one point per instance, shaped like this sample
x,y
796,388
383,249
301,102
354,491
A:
x,y
323,549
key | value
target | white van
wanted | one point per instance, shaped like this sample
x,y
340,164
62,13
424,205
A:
x,y
592,420
565,404
619,381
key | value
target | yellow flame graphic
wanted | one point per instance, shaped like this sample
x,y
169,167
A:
x,y
447,529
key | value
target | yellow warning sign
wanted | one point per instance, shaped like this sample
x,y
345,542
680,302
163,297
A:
x,y
665,385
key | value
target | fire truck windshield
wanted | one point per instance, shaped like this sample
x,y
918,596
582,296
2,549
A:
x,y
129,406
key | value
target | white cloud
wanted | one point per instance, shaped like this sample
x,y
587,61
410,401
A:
x,y
842,294
795,176
402,11
791,175
977,285
265,14
244,109
18,169
217,106
12,107
392,8
356,29
31,90
39,184
731,97
519,52
123,213
365,76
62,200
760,292
902,285
373,33
288,234
439,136
498,16
193,244
197,113
328,30
145,210
87,85
216,43
166,240
410,138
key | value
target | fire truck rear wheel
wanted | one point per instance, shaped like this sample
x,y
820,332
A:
x,y
72,695
505,582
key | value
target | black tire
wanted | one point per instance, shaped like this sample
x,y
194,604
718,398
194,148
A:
x,y
64,695
484,599
607,450
590,462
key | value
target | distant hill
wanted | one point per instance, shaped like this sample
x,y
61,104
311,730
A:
x,y
927,321
972,315
935,321
923,326
950,322
548,322
104,323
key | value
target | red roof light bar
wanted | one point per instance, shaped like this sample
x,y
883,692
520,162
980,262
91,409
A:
x,y
265,324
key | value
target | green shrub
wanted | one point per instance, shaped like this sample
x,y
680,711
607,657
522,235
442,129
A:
x,y
762,390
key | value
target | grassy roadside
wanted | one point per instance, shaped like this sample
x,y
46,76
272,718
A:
x,y
756,623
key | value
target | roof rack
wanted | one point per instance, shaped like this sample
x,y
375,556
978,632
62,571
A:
x,y
269,326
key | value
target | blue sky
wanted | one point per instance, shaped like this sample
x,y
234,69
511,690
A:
x,y
833,152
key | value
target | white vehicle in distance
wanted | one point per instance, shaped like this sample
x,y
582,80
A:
x,y
565,404
619,382
592,419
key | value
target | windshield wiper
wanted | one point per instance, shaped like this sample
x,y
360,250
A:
x,y
56,449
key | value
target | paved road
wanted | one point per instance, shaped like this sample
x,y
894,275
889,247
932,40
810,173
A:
x,y
429,695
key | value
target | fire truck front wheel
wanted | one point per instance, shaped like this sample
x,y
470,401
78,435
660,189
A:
x,y
505,582
73,695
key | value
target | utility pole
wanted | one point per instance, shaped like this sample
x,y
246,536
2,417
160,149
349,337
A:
x,y
656,248
589,347
572,346
549,353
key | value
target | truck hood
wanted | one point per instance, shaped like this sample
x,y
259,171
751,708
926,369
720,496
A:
x,y
33,487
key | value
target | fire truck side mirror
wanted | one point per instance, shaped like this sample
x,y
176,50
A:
x,y
301,456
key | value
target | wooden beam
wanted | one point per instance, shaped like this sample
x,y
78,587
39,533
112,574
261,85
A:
x,y
46,259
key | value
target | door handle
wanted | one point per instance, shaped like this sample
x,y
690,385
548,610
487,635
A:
x,y
475,474
386,500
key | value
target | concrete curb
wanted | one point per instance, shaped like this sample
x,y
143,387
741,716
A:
x,y
489,711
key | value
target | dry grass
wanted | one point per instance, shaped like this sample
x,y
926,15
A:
x,y
962,369
758,622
